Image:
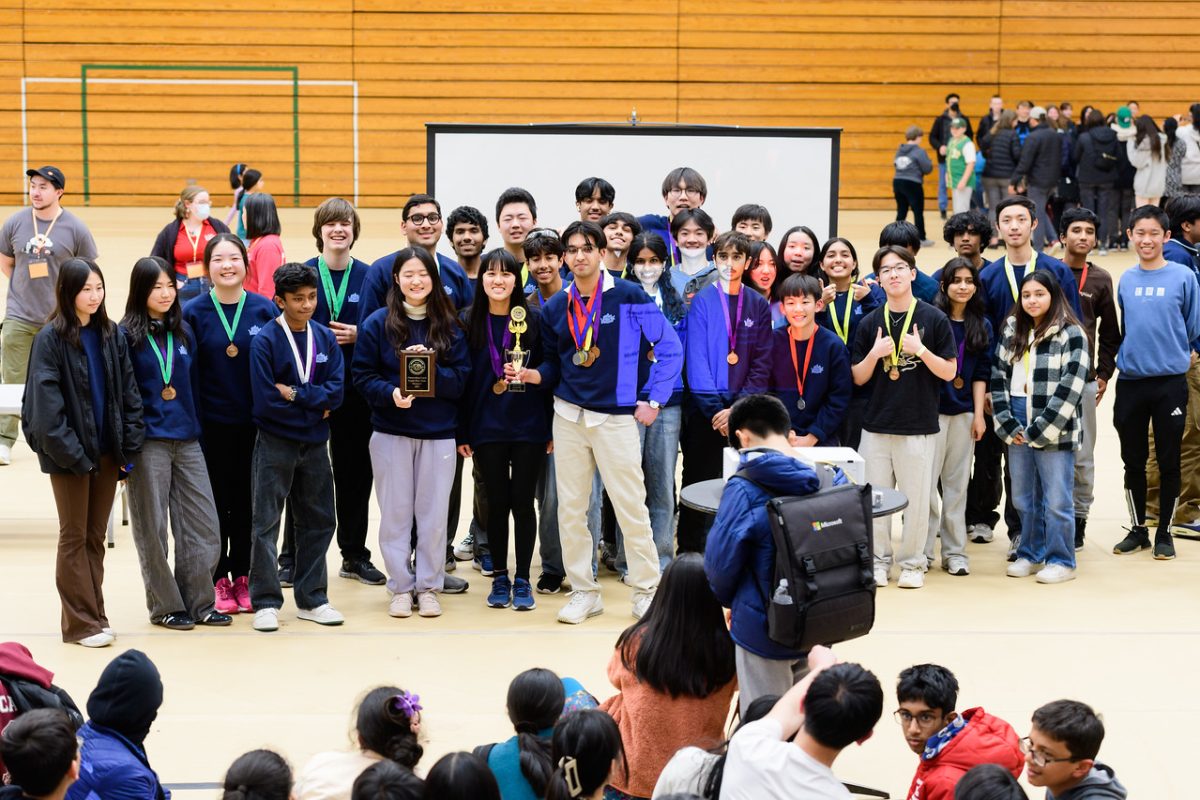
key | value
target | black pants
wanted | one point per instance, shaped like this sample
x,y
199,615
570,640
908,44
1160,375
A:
x,y
910,194
702,447
510,472
349,440
228,451
1161,402
850,432
479,511
989,482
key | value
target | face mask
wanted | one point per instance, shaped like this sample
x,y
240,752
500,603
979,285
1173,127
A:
x,y
203,210
648,274
692,253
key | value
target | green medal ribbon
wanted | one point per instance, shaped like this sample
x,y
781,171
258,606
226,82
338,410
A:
x,y
164,366
230,330
336,299
887,323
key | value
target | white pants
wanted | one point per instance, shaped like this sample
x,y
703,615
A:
x,y
902,462
962,200
953,449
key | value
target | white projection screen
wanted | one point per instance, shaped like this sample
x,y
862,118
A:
x,y
791,171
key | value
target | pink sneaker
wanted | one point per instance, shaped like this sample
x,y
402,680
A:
x,y
226,602
241,591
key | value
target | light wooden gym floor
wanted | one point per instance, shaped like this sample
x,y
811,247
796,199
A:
x,y
1122,637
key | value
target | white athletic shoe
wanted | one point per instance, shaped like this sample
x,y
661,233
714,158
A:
x,y
428,604
401,605
911,579
1021,568
465,550
5,455
580,606
1055,573
957,565
980,533
323,614
266,620
641,604
101,639
881,576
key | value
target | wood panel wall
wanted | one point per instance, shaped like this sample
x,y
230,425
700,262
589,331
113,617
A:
x,y
869,67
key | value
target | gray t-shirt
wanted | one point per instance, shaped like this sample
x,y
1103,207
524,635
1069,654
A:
x,y
32,299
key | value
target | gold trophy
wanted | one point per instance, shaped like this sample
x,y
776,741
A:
x,y
518,357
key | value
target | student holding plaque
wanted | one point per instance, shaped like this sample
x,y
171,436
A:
x,y
224,322
414,345
505,426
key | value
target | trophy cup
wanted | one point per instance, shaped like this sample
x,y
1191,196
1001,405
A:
x,y
516,355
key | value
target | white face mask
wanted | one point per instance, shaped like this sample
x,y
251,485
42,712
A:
x,y
648,274
692,253
203,210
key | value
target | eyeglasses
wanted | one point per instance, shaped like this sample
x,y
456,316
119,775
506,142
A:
x,y
421,219
1039,758
889,270
924,719
678,191
587,249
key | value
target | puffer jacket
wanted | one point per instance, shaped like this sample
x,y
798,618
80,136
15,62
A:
x,y
974,738
1086,153
1041,159
1002,151
113,768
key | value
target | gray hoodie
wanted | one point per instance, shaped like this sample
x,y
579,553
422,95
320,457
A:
x,y
912,163
1099,784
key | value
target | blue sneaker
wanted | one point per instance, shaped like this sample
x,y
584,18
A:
x,y
484,564
501,594
523,596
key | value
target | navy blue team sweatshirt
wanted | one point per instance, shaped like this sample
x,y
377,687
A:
x,y
358,274
484,416
272,362
976,366
827,385
998,293
378,281
177,419
713,383
224,386
377,373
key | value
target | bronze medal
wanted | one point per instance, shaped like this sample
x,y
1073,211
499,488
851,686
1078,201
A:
x,y
958,382
894,373
731,359
232,350
593,355
499,387
580,358
651,357
168,393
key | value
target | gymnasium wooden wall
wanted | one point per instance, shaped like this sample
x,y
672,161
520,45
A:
x,y
871,68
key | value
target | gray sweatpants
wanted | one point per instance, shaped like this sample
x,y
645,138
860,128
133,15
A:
x,y
1085,457
953,448
413,478
170,478
759,677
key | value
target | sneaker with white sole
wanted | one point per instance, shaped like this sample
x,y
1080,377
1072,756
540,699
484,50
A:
x,y
401,605
465,550
911,579
957,566
6,459
266,619
981,533
452,584
1013,544
881,576
101,639
1021,568
1055,573
641,604
428,605
581,605
323,614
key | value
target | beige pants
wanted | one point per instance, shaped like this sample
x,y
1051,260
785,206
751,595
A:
x,y
902,462
1187,509
17,341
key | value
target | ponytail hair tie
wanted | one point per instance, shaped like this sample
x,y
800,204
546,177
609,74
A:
x,y
570,767
526,727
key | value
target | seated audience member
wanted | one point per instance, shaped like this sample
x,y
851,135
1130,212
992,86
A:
x,y
948,743
752,220
386,728
112,754
619,229
833,707
693,771
26,685
683,189
675,675
521,765
740,557
690,237
1060,754
594,199
258,775
989,782
586,750
387,780
41,754
461,776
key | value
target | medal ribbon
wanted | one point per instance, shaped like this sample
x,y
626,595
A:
x,y
40,239
166,367
230,330
335,298
961,350
1083,277
731,325
800,376
1012,277
582,332
497,356
887,323
843,331
303,368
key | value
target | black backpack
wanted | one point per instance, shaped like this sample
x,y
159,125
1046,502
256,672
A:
x,y
1105,158
824,580
28,695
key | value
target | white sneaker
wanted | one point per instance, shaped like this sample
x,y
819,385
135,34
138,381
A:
x,y
401,605
1055,573
957,565
1021,568
110,632
641,604
465,550
911,579
980,533
881,576
101,639
266,620
5,455
323,614
428,604
580,606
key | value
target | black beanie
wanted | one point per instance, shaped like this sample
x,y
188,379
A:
x,y
128,696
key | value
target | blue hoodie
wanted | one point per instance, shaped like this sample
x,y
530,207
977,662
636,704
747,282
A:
x,y
272,362
378,280
713,383
177,419
827,386
224,386
739,558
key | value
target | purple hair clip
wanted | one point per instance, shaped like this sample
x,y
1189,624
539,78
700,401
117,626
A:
x,y
408,703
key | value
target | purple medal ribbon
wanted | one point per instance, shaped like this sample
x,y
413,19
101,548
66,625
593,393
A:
x,y
961,345
496,355
731,326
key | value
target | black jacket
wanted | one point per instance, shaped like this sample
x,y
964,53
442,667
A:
x,y
1002,151
939,133
164,244
57,412
1086,155
1041,159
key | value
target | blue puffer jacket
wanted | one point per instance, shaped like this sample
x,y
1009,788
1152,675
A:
x,y
113,768
739,557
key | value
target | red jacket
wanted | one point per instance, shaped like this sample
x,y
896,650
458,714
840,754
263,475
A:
x,y
983,740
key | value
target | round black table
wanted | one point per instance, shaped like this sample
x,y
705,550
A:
x,y
705,496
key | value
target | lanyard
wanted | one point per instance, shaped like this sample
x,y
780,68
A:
x,y
335,298
230,330
1012,278
40,240
843,331
1083,277
887,322
582,332
495,355
961,355
800,376
195,243
303,367
671,246
165,366
731,325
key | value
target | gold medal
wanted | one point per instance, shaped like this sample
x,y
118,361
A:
x,y
232,350
651,357
731,359
499,387
894,373
168,393
958,382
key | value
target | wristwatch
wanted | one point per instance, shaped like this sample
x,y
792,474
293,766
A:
x,y
292,396
655,405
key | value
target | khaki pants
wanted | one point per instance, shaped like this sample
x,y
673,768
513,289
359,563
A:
x,y
16,340
84,502
902,462
1188,507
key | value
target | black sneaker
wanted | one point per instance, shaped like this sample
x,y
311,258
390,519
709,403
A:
x,y
1080,529
363,571
1137,539
216,619
1164,547
286,575
549,584
454,585
177,621
1013,544
451,563
608,556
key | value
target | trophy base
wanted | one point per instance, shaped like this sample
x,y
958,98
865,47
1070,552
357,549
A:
x,y
516,386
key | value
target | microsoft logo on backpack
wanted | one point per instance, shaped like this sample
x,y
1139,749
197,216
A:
x,y
818,525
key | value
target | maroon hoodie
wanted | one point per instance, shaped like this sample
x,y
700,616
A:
x,y
17,662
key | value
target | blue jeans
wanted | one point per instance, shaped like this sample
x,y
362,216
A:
x,y
943,199
193,287
660,452
1043,482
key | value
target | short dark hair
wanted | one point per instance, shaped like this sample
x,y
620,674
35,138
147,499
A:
x,y
902,233
1074,724
467,215
292,277
1150,212
335,209
1017,200
688,177
696,215
1183,208
932,684
955,95
261,774
588,186
800,285
590,230
461,776
751,212
386,780
540,241
1077,214
988,782
419,200
514,195
738,241
973,221
894,249
761,414
261,216
38,748
842,705
621,216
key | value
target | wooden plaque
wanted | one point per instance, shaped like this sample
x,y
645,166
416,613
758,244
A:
x,y
417,373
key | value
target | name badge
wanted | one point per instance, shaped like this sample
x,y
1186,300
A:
x,y
39,268
195,269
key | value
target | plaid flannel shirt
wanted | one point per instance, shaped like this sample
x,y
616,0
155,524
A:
x,y
1059,366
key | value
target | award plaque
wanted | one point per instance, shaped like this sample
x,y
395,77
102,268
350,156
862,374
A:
x,y
417,373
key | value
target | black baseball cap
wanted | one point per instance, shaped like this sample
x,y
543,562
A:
x,y
52,174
